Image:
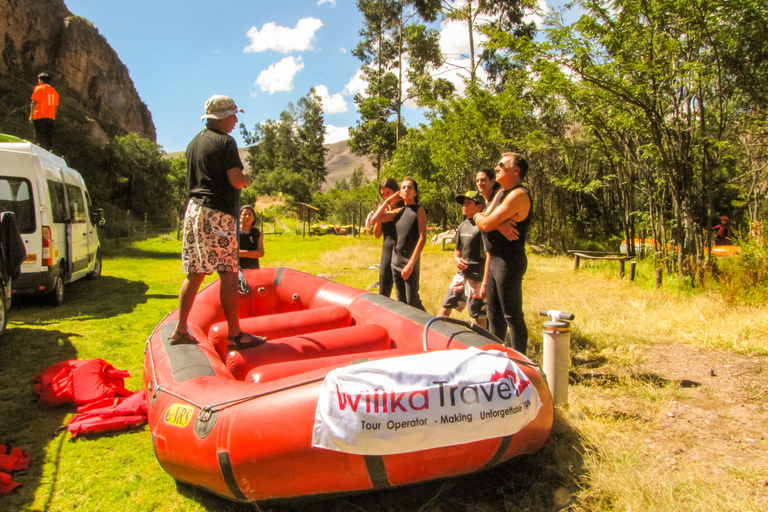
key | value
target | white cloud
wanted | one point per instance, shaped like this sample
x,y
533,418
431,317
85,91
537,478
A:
x,y
454,39
284,39
279,77
332,103
321,2
356,84
538,18
335,133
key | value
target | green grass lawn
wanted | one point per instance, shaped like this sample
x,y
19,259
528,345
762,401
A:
x,y
596,459
111,318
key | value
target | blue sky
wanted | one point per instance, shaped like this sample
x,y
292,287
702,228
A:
x,y
264,54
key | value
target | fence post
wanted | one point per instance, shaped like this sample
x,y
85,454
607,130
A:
x,y
632,271
659,272
128,224
621,269
145,227
576,262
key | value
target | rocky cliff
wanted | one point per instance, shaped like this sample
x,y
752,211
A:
x,y
97,93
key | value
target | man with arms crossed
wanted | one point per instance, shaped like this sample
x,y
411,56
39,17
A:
x,y
215,174
507,261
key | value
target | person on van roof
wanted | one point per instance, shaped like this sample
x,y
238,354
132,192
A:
x,y
215,174
45,101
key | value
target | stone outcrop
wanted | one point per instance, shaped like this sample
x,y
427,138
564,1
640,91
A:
x,y
95,87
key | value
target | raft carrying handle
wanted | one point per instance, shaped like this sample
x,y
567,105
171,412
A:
x,y
469,325
482,332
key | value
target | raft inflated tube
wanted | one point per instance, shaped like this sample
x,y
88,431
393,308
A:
x,y
348,340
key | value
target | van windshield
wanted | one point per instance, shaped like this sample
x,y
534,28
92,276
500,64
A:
x,y
16,197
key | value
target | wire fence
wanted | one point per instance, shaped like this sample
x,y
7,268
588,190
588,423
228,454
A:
x,y
124,227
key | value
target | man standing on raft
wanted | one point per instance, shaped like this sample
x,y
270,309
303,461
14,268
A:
x,y
215,174
503,283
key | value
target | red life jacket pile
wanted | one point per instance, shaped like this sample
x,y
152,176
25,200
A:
x,y
98,389
11,459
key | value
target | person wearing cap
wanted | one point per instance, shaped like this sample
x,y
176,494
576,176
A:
x,y
723,232
42,113
215,174
507,262
469,255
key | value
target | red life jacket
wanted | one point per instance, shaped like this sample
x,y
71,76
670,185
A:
x,y
81,382
7,484
11,459
121,413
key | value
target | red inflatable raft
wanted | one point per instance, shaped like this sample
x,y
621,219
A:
x,y
352,391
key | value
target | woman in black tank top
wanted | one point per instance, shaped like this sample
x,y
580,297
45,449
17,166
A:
x,y
387,189
411,227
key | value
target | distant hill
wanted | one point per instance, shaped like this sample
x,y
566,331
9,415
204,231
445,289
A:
x,y
339,161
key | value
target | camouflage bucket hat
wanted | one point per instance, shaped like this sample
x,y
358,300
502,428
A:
x,y
473,195
220,107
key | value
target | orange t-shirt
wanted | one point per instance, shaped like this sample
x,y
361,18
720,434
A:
x,y
47,100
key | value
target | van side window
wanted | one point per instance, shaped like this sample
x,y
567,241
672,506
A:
x,y
76,204
56,192
16,197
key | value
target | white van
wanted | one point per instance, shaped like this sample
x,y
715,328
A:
x,y
54,216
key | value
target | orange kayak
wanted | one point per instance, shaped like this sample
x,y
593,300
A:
x,y
347,394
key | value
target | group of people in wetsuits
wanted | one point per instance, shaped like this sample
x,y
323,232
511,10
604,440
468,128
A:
x,y
489,254
499,216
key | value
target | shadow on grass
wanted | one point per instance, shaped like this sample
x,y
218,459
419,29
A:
x,y
134,252
105,297
544,481
25,352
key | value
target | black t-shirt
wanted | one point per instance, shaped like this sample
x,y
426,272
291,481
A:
x,y
209,156
249,242
469,242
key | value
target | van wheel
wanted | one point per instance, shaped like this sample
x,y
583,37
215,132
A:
x,y
96,272
3,314
56,296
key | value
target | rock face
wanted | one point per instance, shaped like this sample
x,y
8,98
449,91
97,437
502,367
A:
x,y
95,88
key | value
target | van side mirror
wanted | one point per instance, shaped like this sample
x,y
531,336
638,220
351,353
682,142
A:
x,y
97,217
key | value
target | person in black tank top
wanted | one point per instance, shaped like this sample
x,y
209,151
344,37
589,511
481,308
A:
x,y
505,227
387,189
250,238
411,226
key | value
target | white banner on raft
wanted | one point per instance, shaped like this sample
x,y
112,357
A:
x,y
423,401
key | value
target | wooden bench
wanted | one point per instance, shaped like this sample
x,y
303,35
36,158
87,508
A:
x,y
605,256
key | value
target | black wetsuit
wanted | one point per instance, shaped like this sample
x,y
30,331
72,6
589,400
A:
x,y
504,286
389,232
407,226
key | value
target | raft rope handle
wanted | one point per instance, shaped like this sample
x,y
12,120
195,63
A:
x,y
210,409
482,332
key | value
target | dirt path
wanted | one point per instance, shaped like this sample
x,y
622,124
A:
x,y
721,420
712,429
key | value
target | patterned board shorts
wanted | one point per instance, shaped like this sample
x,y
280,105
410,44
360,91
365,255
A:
x,y
465,291
209,241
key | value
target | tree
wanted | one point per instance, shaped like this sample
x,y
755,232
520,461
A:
x,y
138,174
288,155
396,48
311,136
